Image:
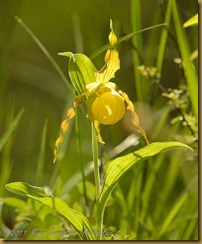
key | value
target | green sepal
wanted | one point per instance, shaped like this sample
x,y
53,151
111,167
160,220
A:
x,y
81,70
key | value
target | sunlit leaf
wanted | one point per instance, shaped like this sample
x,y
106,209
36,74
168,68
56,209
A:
x,y
81,70
15,202
118,167
78,220
192,21
24,189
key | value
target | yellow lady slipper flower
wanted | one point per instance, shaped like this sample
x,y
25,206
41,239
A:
x,y
105,103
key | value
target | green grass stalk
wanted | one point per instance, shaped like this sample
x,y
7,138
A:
x,y
137,42
41,159
163,39
188,66
45,51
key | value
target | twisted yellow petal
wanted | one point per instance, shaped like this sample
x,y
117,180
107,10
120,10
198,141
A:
x,y
65,124
112,37
112,61
135,117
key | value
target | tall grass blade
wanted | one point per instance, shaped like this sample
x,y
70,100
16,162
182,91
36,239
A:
x,y
124,38
163,39
41,158
172,214
45,51
137,42
10,129
188,66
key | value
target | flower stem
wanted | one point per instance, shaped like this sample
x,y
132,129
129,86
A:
x,y
96,163
99,221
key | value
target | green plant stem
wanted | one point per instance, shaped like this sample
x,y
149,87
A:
x,y
99,221
78,142
95,160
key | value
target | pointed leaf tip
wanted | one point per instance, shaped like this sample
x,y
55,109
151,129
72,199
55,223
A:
x,y
66,54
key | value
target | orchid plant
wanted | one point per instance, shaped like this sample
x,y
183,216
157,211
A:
x,y
106,104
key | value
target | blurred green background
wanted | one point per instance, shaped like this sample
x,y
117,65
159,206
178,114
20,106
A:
x,y
28,80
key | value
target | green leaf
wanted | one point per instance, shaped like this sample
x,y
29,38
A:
x,y
118,167
25,189
10,130
124,38
15,202
81,70
192,21
78,220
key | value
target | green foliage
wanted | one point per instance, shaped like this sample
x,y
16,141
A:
x,y
81,70
10,130
154,200
115,170
119,166
79,221
189,70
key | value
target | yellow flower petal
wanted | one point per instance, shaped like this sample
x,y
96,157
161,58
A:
x,y
112,36
70,113
59,140
65,124
135,117
112,64
112,61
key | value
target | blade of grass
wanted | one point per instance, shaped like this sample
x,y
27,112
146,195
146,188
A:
x,y
137,42
79,49
189,69
6,142
174,211
124,38
10,129
41,158
77,33
45,51
163,39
